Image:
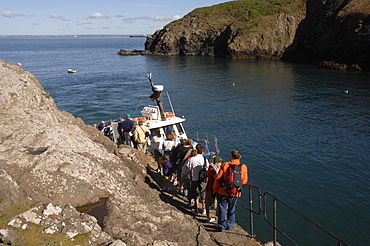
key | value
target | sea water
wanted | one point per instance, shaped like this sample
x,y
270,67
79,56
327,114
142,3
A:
x,y
304,132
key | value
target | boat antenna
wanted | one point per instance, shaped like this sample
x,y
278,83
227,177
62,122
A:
x,y
169,99
156,96
138,106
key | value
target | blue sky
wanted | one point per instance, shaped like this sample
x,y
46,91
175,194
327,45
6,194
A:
x,y
67,17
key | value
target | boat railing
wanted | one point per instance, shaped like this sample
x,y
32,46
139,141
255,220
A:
x,y
263,199
210,147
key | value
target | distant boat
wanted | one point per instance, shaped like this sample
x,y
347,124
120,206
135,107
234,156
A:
x,y
138,36
72,71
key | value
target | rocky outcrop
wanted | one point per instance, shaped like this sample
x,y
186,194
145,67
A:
x,y
236,30
52,163
129,53
335,31
332,33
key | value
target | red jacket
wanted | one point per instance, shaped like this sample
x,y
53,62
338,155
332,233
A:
x,y
223,173
211,174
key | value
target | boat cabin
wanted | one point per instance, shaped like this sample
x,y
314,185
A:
x,y
171,123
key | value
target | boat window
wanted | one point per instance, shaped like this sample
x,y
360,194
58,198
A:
x,y
152,131
180,128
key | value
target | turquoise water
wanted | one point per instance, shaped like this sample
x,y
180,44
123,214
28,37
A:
x,y
303,137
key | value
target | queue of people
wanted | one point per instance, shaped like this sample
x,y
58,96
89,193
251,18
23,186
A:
x,y
181,168
126,131
119,131
181,165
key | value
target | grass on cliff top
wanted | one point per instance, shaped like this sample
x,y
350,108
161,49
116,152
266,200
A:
x,y
241,12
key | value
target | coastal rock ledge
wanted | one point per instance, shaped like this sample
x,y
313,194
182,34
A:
x,y
52,165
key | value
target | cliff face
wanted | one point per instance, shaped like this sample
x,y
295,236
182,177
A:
x,y
336,30
297,30
238,30
53,163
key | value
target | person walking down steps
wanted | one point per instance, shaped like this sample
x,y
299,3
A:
x,y
228,186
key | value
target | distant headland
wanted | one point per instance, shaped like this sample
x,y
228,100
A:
x,y
73,36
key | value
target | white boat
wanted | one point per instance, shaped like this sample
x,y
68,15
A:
x,y
155,117
167,122
71,71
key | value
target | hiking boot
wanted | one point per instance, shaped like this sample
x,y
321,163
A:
x,y
194,212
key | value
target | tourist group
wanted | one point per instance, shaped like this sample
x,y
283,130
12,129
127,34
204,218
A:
x,y
206,183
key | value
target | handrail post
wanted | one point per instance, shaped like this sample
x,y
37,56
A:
x,y
251,223
275,222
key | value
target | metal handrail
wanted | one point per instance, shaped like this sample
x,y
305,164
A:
x,y
262,208
250,209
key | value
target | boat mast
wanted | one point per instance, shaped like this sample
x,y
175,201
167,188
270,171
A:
x,y
156,96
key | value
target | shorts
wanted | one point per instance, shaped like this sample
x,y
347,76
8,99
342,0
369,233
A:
x,y
198,190
202,191
193,191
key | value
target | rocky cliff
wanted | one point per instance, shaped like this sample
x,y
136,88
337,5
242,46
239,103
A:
x,y
333,30
52,165
330,31
244,29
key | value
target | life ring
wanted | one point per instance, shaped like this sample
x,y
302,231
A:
x,y
142,119
169,114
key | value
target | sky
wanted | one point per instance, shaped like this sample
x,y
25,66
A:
x,y
92,17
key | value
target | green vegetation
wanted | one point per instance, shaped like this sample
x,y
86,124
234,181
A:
x,y
245,13
1,199
33,236
12,211
244,9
